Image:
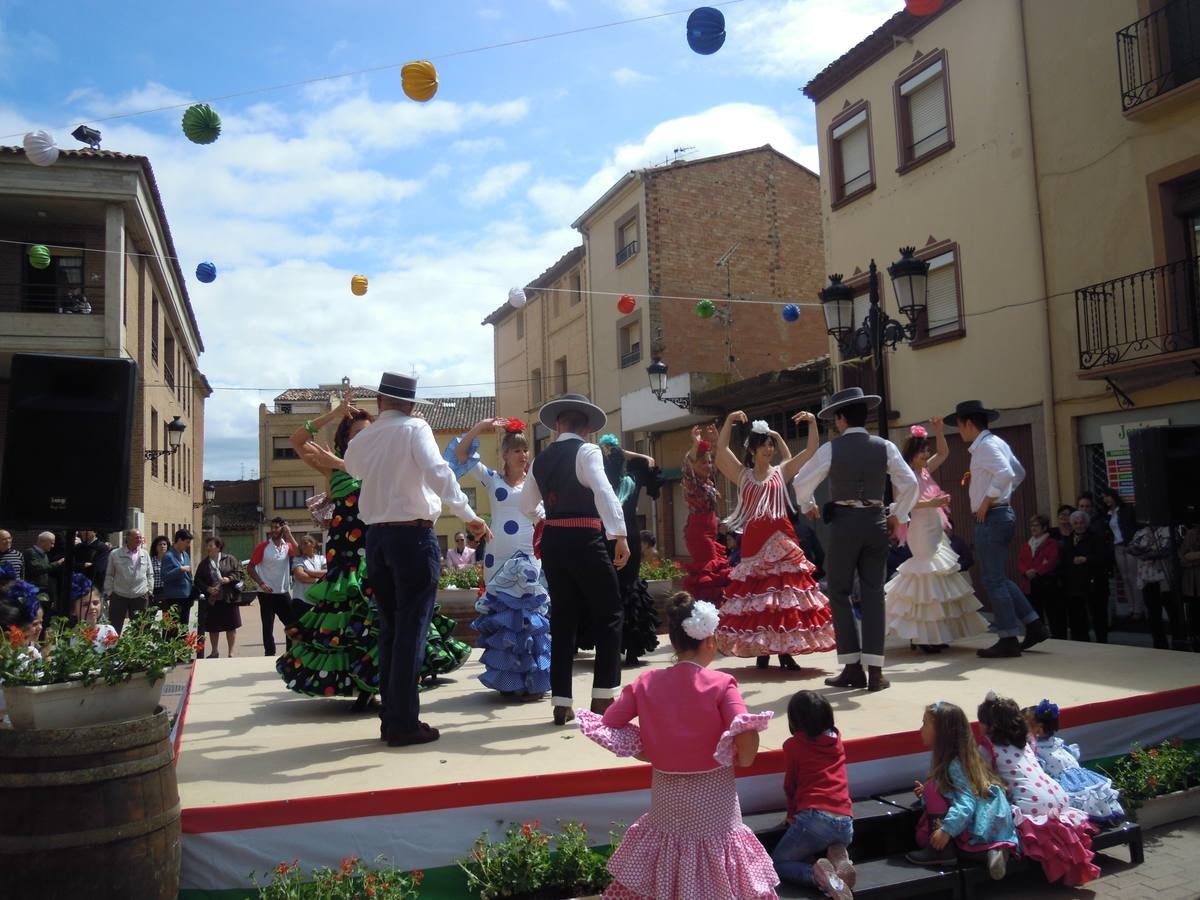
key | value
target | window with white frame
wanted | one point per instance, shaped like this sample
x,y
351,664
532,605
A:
x,y
923,110
850,152
943,310
630,343
292,497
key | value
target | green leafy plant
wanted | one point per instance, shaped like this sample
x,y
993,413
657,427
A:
x,y
522,864
574,865
663,570
352,880
1151,772
148,645
464,579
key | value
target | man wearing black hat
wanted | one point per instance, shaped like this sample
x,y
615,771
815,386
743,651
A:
x,y
581,507
995,473
405,481
857,465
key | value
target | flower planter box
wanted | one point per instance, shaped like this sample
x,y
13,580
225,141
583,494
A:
x,y
1169,808
73,704
459,605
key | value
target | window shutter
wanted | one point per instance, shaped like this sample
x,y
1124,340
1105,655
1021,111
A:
x,y
927,113
862,305
856,160
942,311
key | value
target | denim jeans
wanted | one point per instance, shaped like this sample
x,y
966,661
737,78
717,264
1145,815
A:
x,y
403,565
811,833
1009,605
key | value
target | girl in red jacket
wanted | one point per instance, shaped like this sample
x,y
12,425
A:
x,y
820,819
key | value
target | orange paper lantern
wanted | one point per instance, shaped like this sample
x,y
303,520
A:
x,y
419,80
358,285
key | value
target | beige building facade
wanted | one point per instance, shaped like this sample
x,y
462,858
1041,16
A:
x,y
102,217
991,137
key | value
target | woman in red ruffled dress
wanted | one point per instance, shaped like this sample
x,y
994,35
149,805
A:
x,y
708,571
772,604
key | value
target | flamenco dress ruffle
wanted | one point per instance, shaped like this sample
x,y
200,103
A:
x,y
708,570
1061,843
1092,794
514,629
640,628
443,651
772,604
929,601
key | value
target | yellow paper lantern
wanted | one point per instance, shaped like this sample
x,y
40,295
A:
x,y
419,80
358,285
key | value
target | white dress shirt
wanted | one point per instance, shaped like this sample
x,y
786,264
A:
x,y
905,489
402,471
995,470
589,469
129,574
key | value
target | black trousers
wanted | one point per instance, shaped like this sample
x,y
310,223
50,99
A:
x,y
581,579
270,608
1156,601
858,544
120,608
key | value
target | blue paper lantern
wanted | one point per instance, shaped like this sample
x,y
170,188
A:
x,y
706,30
206,272
791,312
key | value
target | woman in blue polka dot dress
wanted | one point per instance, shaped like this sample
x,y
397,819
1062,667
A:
x,y
513,621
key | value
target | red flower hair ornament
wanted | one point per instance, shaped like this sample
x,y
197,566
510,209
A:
x,y
515,426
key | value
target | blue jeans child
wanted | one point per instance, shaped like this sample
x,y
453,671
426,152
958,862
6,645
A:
x,y
811,833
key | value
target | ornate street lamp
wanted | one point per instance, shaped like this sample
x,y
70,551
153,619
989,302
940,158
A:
x,y
175,431
657,370
910,281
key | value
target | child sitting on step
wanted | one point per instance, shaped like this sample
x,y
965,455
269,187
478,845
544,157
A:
x,y
819,814
1087,791
964,803
1051,832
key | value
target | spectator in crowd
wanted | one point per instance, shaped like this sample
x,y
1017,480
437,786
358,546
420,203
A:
x,y
1103,609
219,586
966,553
271,568
158,549
87,546
1083,558
11,557
1189,559
1122,524
308,567
177,576
650,548
42,572
733,547
1037,564
129,580
100,565
460,556
1151,547
1064,531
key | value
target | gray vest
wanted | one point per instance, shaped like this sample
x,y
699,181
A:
x,y
858,467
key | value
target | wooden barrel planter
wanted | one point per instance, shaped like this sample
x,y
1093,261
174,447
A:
x,y
90,812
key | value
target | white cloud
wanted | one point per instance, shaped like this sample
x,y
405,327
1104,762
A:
x,y
489,13
496,182
625,76
559,5
477,146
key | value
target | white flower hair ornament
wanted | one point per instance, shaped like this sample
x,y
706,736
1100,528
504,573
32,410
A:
x,y
702,623
759,426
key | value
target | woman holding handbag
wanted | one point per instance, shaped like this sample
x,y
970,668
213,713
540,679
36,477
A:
x,y
219,584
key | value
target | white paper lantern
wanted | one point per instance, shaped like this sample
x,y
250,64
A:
x,y
516,298
40,149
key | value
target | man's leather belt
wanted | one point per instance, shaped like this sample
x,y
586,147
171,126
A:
x,y
408,523
859,504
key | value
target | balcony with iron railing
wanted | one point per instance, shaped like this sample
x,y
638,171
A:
x,y
1148,318
17,297
626,252
1159,53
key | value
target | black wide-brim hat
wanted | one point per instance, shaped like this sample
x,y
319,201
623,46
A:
x,y
548,415
400,387
968,407
848,397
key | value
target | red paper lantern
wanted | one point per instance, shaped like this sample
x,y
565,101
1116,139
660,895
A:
x,y
923,7
626,304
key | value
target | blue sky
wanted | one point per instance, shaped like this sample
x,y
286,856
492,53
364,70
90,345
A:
x,y
443,205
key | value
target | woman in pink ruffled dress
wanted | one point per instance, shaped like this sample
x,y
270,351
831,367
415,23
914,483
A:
x,y
929,601
694,728
772,604
1050,830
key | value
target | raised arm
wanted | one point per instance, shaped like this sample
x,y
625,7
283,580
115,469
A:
x,y
309,429
321,458
942,449
463,451
728,464
792,466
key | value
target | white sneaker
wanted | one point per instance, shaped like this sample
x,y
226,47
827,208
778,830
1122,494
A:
x,y
997,863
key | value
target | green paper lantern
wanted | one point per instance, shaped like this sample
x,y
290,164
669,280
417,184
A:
x,y
706,309
39,256
201,124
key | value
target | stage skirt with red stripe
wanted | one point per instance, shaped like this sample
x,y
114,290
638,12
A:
x,y
772,604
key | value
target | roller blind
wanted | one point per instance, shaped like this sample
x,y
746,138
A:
x,y
927,116
942,312
856,160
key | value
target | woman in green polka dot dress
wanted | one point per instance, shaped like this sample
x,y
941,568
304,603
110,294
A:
x,y
334,651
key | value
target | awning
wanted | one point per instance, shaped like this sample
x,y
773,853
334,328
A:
x,y
803,385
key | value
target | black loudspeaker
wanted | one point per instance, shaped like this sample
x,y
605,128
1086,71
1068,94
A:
x,y
1166,473
67,446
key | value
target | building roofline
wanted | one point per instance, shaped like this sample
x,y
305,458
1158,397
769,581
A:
x,y
623,182
867,52
553,273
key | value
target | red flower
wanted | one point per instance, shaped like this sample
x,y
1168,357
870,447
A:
x,y
16,637
526,830
192,639
110,639
349,863
417,876
90,632
282,869
1153,753
515,426
1153,781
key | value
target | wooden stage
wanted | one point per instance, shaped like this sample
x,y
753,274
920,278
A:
x,y
265,774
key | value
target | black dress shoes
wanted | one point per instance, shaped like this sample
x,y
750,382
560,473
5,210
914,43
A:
x,y
1035,632
852,676
1006,646
875,679
563,715
424,734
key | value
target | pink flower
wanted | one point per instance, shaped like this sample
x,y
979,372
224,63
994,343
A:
x,y
918,431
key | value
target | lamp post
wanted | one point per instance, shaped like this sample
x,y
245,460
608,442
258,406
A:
x,y
910,281
175,430
657,370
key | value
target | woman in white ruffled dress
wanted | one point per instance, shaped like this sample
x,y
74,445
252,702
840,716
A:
x,y
929,601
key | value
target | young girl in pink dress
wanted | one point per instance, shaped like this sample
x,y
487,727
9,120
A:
x,y
694,728
708,569
772,604
929,601
1051,832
